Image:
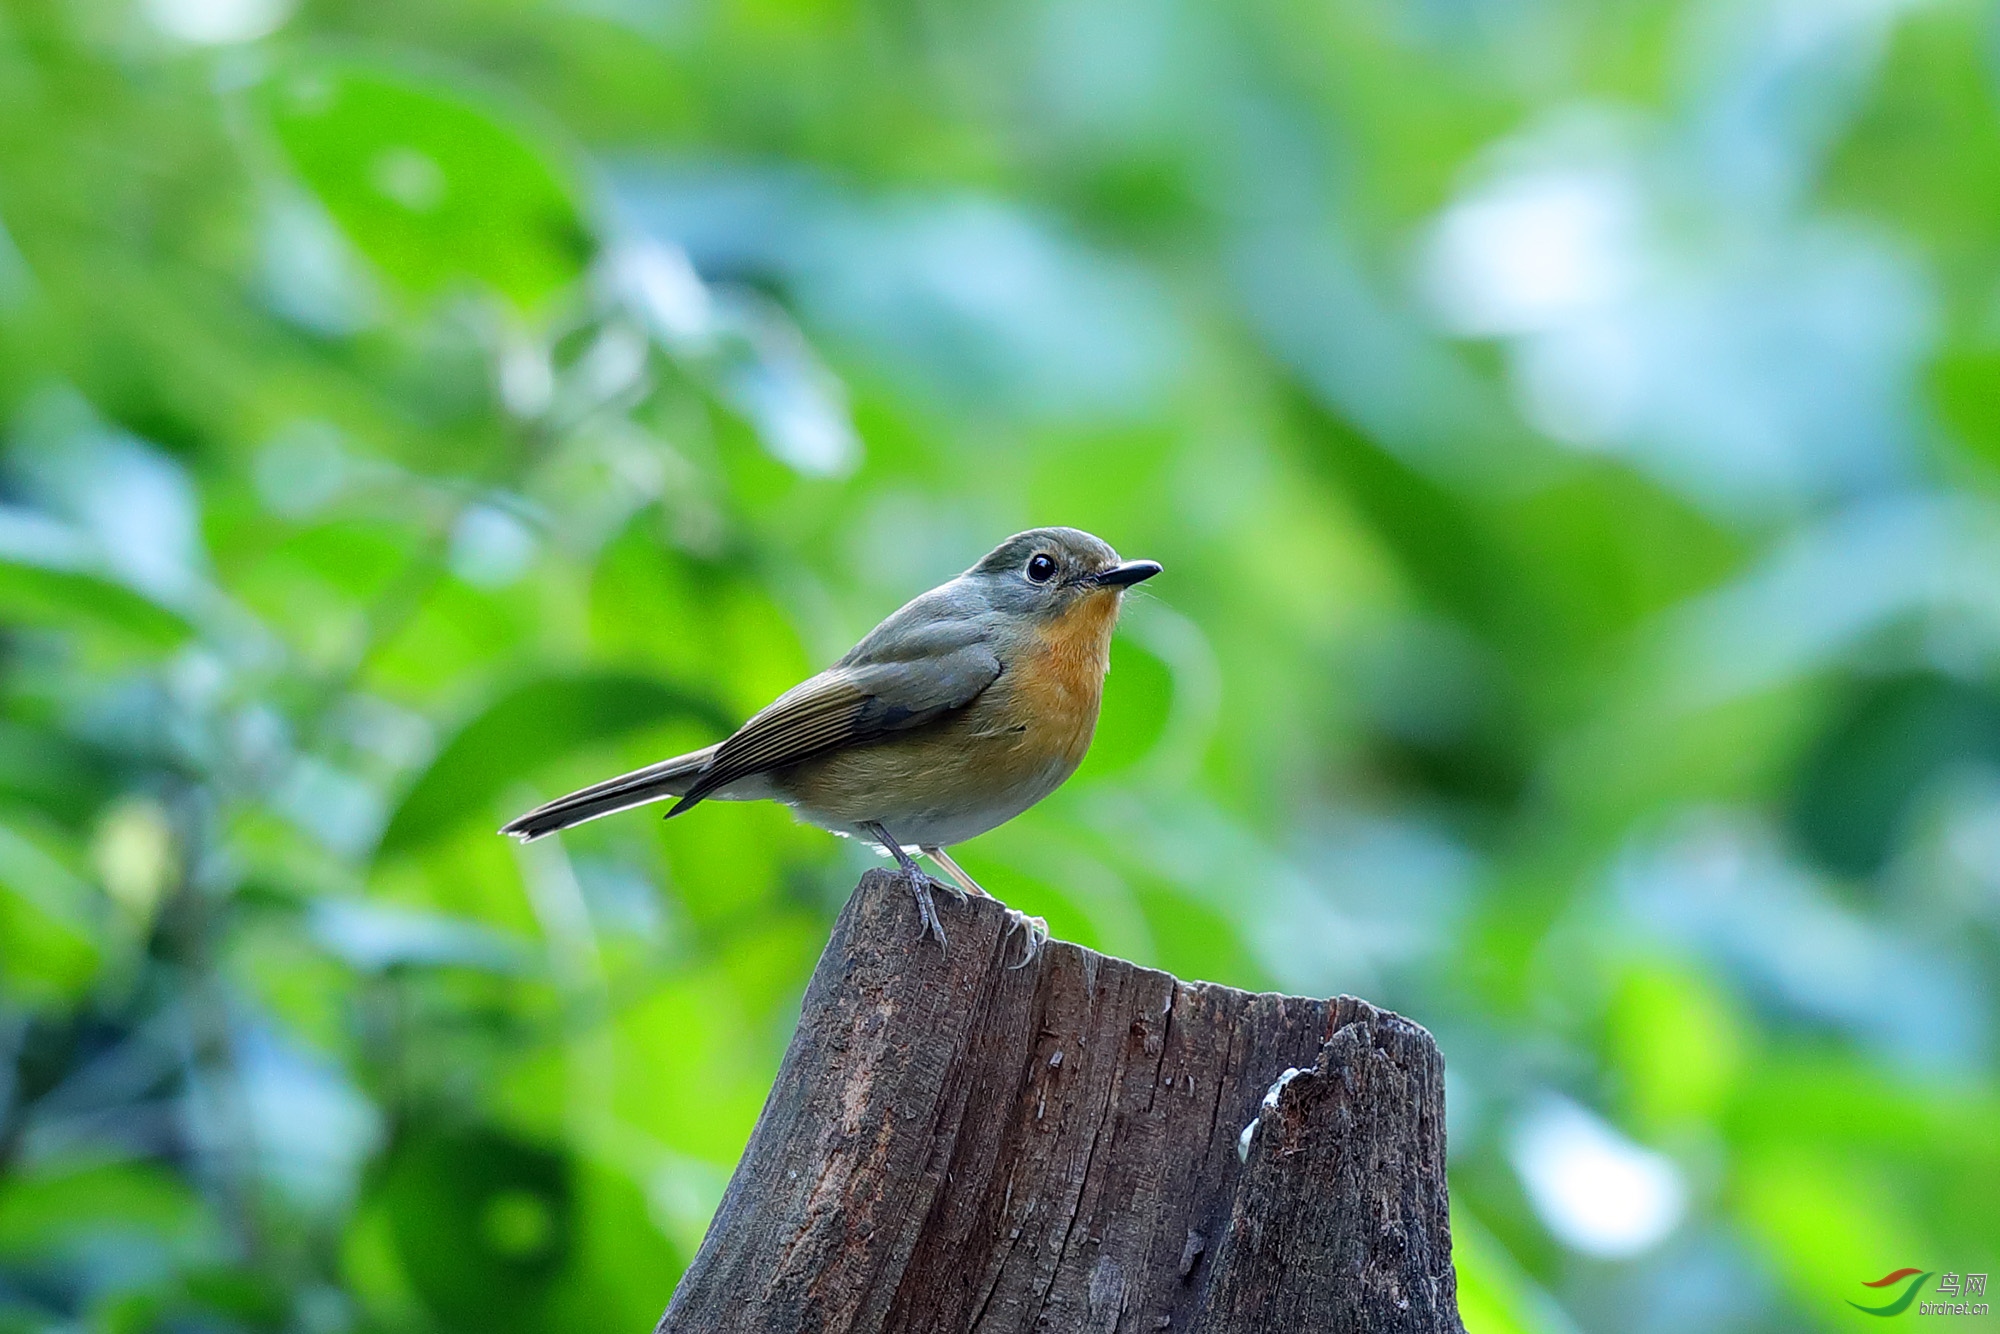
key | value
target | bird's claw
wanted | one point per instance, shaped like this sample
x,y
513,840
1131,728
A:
x,y
1036,930
928,921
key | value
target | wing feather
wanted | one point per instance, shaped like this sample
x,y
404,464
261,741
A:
x,y
856,701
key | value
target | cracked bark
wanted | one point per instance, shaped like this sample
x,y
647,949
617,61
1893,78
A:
x,y
952,1145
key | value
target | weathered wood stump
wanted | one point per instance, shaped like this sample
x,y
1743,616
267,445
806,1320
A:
x,y
956,1145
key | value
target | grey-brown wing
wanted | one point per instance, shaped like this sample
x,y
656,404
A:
x,y
847,704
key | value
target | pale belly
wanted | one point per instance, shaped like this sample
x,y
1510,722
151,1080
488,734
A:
x,y
945,783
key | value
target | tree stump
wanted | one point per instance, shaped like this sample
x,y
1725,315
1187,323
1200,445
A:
x,y
1077,1145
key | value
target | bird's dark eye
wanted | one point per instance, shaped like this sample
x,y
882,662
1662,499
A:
x,y
1041,567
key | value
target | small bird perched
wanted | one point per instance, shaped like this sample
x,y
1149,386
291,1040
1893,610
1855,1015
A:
x,y
960,711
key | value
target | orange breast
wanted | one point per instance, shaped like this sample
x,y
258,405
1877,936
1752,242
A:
x,y
1060,679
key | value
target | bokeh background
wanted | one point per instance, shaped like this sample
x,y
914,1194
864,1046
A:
x,y
1570,430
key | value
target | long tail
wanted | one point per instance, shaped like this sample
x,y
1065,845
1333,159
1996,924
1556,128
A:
x,y
655,782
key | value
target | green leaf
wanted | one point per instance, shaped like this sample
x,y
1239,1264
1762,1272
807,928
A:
x,y
482,1223
1134,712
66,1206
1494,1295
65,598
525,728
615,1282
52,772
1964,383
49,575
433,185
1881,755
48,946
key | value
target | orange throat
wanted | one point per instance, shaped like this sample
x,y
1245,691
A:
x,y
1064,676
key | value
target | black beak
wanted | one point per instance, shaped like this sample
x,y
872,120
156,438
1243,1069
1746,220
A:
x,y
1124,576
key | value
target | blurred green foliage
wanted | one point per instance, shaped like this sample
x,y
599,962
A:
x,y
1569,430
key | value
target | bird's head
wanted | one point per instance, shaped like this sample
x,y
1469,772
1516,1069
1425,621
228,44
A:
x,y
1045,572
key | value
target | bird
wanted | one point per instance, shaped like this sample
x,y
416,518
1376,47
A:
x,y
962,709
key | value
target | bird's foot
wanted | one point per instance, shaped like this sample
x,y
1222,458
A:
x,y
928,921
1034,928
962,885
955,891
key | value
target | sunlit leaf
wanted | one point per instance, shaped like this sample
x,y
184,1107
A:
x,y
48,945
1494,1295
620,1278
434,185
1677,1043
1827,1220
64,1206
67,598
50,576
42,957
690,1071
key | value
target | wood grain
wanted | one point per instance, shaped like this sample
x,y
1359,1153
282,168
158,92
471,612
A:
x,y
954,1145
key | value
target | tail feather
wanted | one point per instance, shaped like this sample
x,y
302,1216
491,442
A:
x,y
655,782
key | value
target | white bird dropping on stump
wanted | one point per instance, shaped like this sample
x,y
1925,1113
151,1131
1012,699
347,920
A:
x,y
1270,1104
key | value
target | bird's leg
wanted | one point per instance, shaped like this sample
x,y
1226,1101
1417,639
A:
x,y
920,884
1037,930
964,883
